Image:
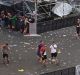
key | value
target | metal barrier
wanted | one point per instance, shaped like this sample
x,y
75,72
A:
x,y
55,24
68,71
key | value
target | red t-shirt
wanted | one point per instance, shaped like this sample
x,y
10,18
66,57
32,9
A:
x,y
42,50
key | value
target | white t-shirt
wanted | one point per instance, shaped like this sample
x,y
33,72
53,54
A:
x,y
53,48
45,53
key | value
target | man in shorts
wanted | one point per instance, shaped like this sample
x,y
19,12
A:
x,y
5,50
53,48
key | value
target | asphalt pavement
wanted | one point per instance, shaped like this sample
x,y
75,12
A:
x,y
22,55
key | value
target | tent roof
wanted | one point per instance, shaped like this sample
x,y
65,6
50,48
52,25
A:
x,y
11,2
5,3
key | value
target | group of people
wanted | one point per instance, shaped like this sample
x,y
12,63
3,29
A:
x,y
42,53
14,22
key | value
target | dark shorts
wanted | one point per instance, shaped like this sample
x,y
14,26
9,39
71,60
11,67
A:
x,y
54,54
5,55
78,30
44,57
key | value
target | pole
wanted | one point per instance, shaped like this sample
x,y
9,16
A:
x,y
36,11
23,7
33,26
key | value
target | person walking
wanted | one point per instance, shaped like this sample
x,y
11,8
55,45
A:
x,y
53,49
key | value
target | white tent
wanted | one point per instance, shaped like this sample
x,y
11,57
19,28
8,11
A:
x,y
61,9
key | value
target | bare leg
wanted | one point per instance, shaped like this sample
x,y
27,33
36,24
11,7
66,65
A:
x,y
76,35
44,62
7,61
25,31
39,59
52,60
4,61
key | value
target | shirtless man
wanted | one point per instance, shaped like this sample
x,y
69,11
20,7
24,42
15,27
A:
x,y
5,50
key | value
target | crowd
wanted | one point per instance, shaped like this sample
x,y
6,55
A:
x,y
14,22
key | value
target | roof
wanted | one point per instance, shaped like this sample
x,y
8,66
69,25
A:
x,y
11,2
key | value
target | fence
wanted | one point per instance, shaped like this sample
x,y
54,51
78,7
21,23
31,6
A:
x,y
56,24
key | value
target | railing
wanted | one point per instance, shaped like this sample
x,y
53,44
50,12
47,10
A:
x,y
51,25
68,71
